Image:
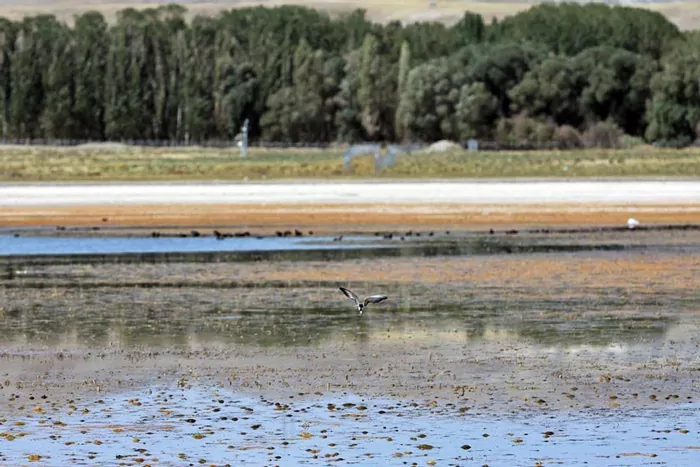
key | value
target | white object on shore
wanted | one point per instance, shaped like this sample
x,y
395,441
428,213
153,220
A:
x,y
632,223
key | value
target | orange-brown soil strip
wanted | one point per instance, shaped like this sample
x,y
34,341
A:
x,y
639,272
329,217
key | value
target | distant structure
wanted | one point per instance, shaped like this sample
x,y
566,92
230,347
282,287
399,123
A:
x,y
242,139
381,161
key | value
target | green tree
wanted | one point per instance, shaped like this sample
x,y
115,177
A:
x,y
551,90
164,68
617,88
404,69
428,104
470,29
500,67
368,91
38,38
674,111
299,75
198,80
296,112
350,29
347,118
57,116
127,112
571,28
477,111
235,86
333,75
91,49
428,40
7,42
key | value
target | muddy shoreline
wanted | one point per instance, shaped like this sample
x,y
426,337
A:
x,y
333,219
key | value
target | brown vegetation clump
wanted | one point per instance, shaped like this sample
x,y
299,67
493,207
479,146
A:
x,y
603,135
567,137
524,130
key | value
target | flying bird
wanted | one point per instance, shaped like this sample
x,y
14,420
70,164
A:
x,y
362,304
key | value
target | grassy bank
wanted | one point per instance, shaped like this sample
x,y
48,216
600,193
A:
x,y
122,163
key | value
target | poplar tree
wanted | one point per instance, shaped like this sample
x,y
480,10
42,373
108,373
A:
x,y
404,68
91,50
368,89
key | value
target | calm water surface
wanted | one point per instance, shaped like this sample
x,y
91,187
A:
x,y
45,245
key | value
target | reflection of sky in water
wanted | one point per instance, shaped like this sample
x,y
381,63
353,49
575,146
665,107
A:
x,y
364,245
41,245
386,433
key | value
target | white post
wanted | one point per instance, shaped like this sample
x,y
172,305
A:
x,y
244,139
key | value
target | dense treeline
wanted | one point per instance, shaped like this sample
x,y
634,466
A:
x,y
565,73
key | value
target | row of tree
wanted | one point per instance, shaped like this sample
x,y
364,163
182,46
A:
x,y
298,75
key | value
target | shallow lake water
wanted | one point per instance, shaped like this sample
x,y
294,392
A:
x,y
213,426
46,245
588,356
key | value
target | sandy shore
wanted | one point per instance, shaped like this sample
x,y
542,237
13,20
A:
x,y
324,218
349,206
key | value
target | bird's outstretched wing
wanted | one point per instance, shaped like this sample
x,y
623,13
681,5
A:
x,y
349,293
375,299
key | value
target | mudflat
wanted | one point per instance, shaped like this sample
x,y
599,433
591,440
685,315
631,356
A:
x,y
496,332
559,337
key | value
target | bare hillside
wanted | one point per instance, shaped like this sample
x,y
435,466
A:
x,y
685,14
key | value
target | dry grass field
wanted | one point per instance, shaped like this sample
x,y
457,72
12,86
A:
x,y
115,162
685,14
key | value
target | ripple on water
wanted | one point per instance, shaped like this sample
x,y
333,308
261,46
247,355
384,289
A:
x,y
203,425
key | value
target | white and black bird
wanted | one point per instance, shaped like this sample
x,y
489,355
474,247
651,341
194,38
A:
x,y
362,304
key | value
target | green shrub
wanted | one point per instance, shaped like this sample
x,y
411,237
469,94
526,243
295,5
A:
x,y
630,142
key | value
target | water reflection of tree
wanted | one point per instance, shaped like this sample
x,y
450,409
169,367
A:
x,y
129,326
